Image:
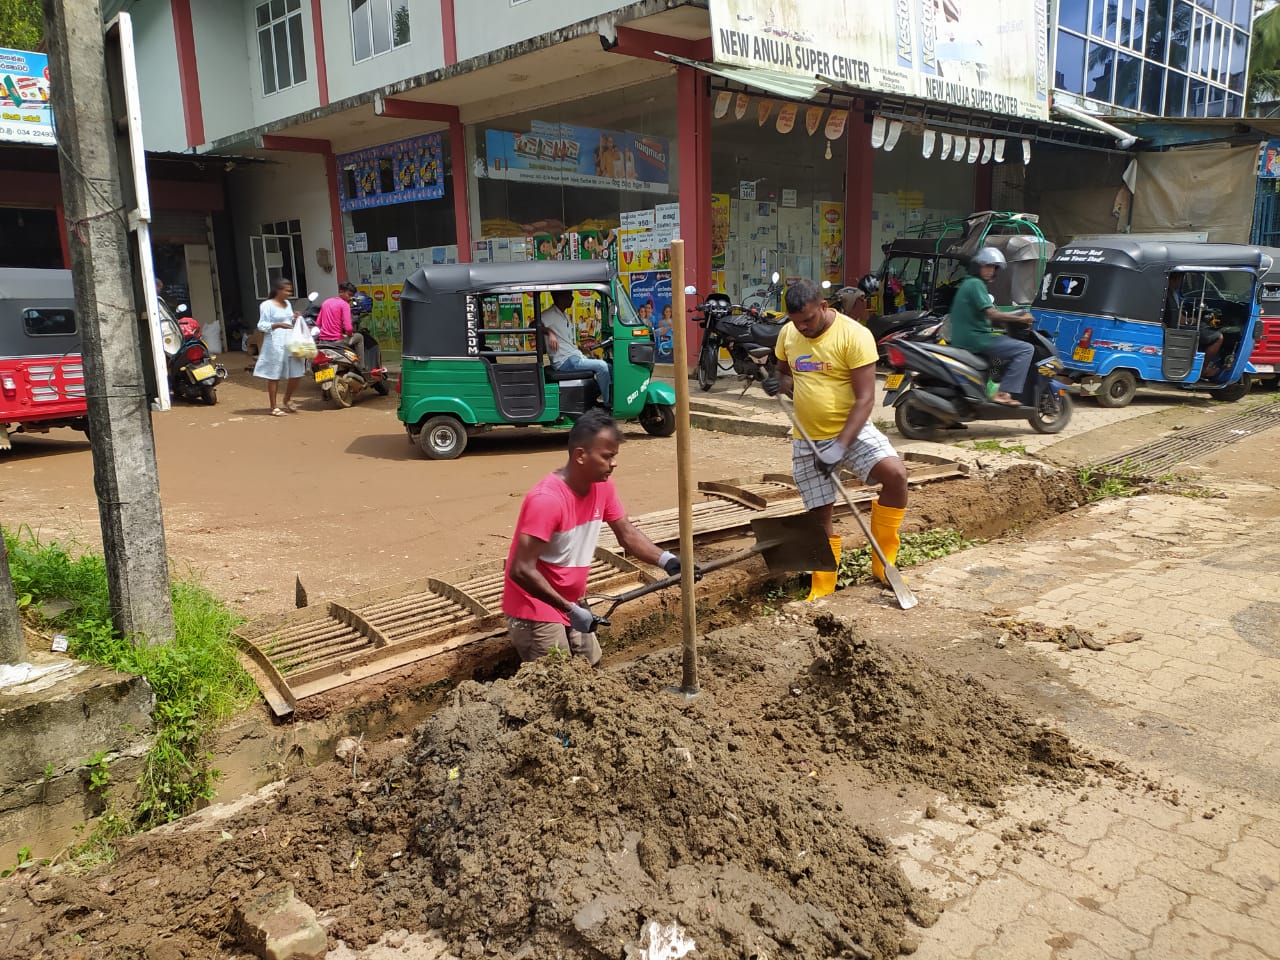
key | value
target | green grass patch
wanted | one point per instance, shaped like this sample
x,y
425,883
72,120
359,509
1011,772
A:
x,y
1099,484
999,446
197,680
855,565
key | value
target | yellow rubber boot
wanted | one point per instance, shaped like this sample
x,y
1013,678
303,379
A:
x,y
885,522
822,583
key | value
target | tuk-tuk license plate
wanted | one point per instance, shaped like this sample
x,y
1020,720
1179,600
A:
x,y
328,373
893,381
1082,354
203,373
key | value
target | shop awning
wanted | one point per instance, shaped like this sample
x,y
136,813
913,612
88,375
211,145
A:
x,y
770,81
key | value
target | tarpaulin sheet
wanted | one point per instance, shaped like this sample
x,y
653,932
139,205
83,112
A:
x,y
1197,189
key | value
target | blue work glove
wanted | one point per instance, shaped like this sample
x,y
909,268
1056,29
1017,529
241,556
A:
x,y
583,620
772,386
671,564
830,457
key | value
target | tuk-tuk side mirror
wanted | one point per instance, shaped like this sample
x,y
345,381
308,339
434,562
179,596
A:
x,y
182,307
690,290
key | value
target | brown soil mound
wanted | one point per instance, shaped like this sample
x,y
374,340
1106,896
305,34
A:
x,y
904,721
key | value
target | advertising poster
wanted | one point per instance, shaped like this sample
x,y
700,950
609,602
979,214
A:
x,y
644,289
571,156
719,229
1269,162
25,113
969,53
830,221
662,318
415,168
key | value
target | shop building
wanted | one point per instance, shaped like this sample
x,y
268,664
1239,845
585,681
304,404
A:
x,y
398,133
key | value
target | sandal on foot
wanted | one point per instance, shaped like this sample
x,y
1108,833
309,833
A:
x,y
1006,402
277,412
292,406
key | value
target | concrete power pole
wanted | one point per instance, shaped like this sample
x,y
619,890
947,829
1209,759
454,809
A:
x,y
124,457
13,645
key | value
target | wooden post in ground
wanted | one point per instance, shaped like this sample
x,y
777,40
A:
x,y
684,473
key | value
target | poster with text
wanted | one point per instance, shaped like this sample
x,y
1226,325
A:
x,y
989,55
830,219
572,156
25,112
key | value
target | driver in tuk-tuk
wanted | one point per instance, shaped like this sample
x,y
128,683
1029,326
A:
x,y
1184,311
563,347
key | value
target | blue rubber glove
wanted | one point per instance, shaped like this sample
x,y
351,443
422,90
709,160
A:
x,y
830,457
582,619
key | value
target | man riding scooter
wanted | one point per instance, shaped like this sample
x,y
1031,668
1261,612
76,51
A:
x,y
973,311
334,326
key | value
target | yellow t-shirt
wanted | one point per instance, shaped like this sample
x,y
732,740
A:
x,y
821,370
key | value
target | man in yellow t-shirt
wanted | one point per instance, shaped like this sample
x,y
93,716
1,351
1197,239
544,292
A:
x,y
827,362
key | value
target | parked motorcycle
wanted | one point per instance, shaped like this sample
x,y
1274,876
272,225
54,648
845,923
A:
x,y
194,373
740,330
336,367
945,387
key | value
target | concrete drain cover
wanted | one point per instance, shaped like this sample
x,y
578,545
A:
x,y
1152,459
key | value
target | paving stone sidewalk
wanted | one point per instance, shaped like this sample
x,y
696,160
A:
x,y
1186,870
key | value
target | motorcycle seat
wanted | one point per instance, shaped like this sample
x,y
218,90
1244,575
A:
x,y
964,356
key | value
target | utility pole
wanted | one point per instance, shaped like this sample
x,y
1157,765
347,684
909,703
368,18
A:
x,y
13,645
124,458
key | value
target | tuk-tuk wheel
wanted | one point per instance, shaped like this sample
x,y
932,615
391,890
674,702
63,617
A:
x,y
658,420
443,438
1234,391
1117,389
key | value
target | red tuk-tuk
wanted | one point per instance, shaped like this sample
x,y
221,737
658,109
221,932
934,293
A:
x,y
1266,349
41,371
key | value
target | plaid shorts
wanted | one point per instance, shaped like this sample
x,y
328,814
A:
x,y
816,488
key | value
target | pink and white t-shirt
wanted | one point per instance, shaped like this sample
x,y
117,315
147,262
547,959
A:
x,y
570,527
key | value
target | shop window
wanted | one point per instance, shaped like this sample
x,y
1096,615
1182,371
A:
x,y
1222,8
1073,14
1197,98
48,323
280,46
1070,63
1235,68
1243,16
1157,29
1128,75
1180,35
378,26
1175,95
1217,101
1152,88
1235,105
1101,68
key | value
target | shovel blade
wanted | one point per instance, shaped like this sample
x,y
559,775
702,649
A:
x,y
793,544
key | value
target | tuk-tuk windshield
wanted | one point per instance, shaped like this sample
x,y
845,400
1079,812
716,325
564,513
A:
x,y
627,313
925,282
1223,286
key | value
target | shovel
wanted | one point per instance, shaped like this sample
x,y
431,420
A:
x,y
906,599
788,544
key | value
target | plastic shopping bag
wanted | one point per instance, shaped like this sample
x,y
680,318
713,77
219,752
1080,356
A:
x,y
300,342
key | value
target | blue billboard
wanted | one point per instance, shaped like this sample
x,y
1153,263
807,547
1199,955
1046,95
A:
x,y
572,156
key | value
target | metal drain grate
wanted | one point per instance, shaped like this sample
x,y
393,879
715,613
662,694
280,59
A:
x,y
1158,456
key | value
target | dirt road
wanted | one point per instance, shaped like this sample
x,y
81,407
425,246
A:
x,y
339,497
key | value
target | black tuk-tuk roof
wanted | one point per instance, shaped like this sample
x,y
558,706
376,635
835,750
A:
x,y
433,303
1125,277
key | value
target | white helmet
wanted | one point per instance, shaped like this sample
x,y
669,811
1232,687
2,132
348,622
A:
x,y
987,256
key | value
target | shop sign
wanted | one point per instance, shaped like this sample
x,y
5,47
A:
x,y
26,115
392,173
572,156
972,55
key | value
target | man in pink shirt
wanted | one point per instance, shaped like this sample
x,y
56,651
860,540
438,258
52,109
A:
x,y
334,323
555,542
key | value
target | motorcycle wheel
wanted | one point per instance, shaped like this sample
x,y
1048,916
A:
x,y
209,394
1052,414
914,422
340,392
658,421
708,363
382,387
1117,390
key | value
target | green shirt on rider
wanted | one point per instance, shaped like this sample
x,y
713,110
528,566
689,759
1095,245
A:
x,y
970,326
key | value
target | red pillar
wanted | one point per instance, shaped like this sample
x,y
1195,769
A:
x,y
982,189
322,69
184,40
694,139
461,201
335,216
859,176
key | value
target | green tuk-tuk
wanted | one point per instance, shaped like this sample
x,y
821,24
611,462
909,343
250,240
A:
x,y
475,354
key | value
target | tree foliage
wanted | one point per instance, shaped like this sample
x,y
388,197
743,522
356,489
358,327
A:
x,y
1264,58
21,24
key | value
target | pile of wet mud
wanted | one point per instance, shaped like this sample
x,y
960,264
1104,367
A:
x,y
904,721
564,810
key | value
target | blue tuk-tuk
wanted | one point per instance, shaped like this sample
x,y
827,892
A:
x,y
1123,312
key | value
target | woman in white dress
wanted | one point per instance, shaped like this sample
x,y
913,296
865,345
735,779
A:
x,y
275,319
